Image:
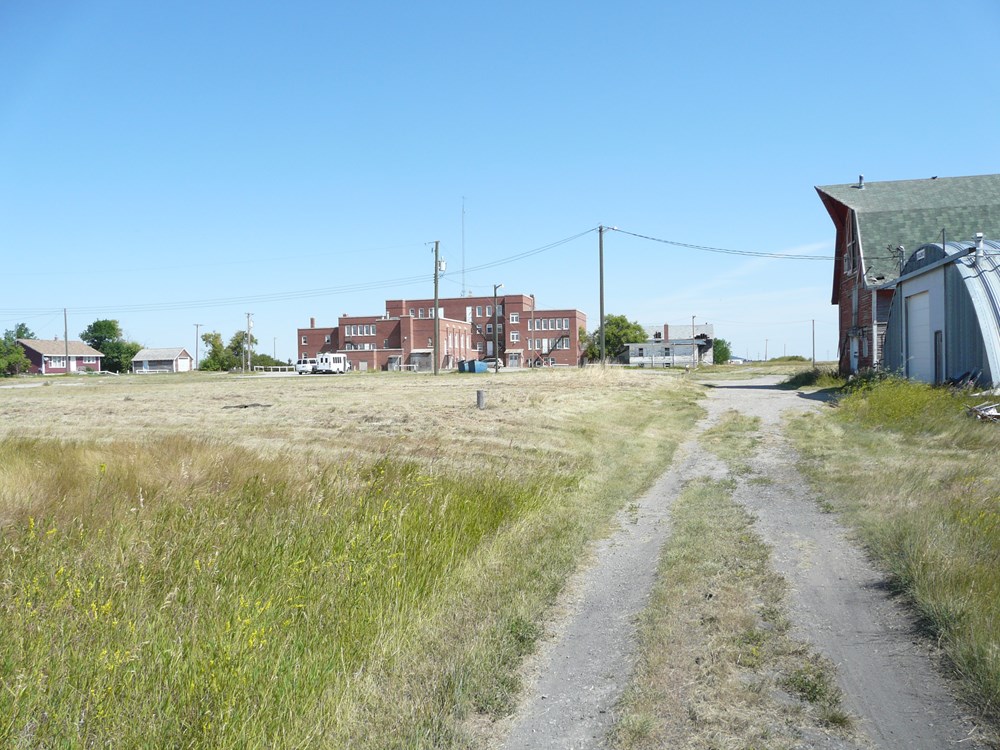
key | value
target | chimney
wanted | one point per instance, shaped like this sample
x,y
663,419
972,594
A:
x,y
312,322
979,246
861,182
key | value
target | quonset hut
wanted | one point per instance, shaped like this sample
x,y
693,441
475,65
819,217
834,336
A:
x,y
944,320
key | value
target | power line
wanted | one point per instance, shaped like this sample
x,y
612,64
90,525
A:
x,y
726,251
282,296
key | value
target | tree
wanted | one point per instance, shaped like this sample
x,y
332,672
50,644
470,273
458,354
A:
x,y
101,332
618,331
13,360
118,355
219,357
238,342
721,351
106,336
20,331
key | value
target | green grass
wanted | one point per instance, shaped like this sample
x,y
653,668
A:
x,y
180,592
815,377
917,478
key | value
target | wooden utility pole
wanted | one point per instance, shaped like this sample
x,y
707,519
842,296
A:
x,y
600,246
814,342
437,318
66,338
197,338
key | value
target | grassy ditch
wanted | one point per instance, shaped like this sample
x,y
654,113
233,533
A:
x,y
182,592
918,480
717,667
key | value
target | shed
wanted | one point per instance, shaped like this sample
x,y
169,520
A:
x,y
162,360
944,320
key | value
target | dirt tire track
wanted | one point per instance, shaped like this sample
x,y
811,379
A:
x,y
838,603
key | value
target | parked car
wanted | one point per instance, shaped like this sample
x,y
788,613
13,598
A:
x,y
493,362
306,366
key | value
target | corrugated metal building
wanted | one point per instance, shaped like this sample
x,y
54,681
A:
x,y
944,321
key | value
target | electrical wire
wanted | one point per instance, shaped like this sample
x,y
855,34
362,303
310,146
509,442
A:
x,y
726,251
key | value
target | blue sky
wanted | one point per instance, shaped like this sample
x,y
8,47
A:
x,y
175,163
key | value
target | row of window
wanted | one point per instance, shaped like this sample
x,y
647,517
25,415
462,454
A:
x,y
359,330
546,345
489,312
428,313
549,324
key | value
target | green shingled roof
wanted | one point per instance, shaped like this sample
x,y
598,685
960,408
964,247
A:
x,y
913,212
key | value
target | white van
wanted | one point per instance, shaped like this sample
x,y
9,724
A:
x,y
305,366
330,363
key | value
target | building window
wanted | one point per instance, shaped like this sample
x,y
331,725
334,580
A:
x,y
412,313
565,324
430,342
420,312
326,339
305,340
57,362
489,311
479,311
489,329
479,347
500,328
90,360
499,309
531,344
545,324
515,318
515,337
479,328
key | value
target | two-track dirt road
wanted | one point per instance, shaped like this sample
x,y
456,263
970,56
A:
x,y
837,602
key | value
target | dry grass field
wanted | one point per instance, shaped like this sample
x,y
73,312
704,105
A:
x,y
363,561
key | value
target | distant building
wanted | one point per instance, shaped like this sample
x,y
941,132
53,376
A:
x,y
878,224
470,328
162,360
672,346
49,357
944,320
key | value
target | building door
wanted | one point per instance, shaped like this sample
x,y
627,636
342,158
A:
x,y
919,341
855,352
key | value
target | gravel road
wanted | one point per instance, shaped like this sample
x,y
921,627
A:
x,y
838,603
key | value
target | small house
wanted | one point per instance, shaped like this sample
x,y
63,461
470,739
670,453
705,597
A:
x,y
55,357
162,360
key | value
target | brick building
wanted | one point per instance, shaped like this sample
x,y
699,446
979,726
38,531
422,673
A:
x,y
403,338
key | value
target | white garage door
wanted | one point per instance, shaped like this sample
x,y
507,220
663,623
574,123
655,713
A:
x,y
919,343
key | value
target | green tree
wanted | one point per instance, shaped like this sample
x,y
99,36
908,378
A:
x,y
219,357
106,336
13,360
21,331
101,332
118,355
721,351
618,331
237,344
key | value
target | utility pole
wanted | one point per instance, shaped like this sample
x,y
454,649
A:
x,y
248,354
66,338
437,318
694,348
197,338
496,336
600,246
814,342
765,350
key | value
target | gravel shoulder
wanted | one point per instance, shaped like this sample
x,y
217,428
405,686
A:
x,y
838,602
